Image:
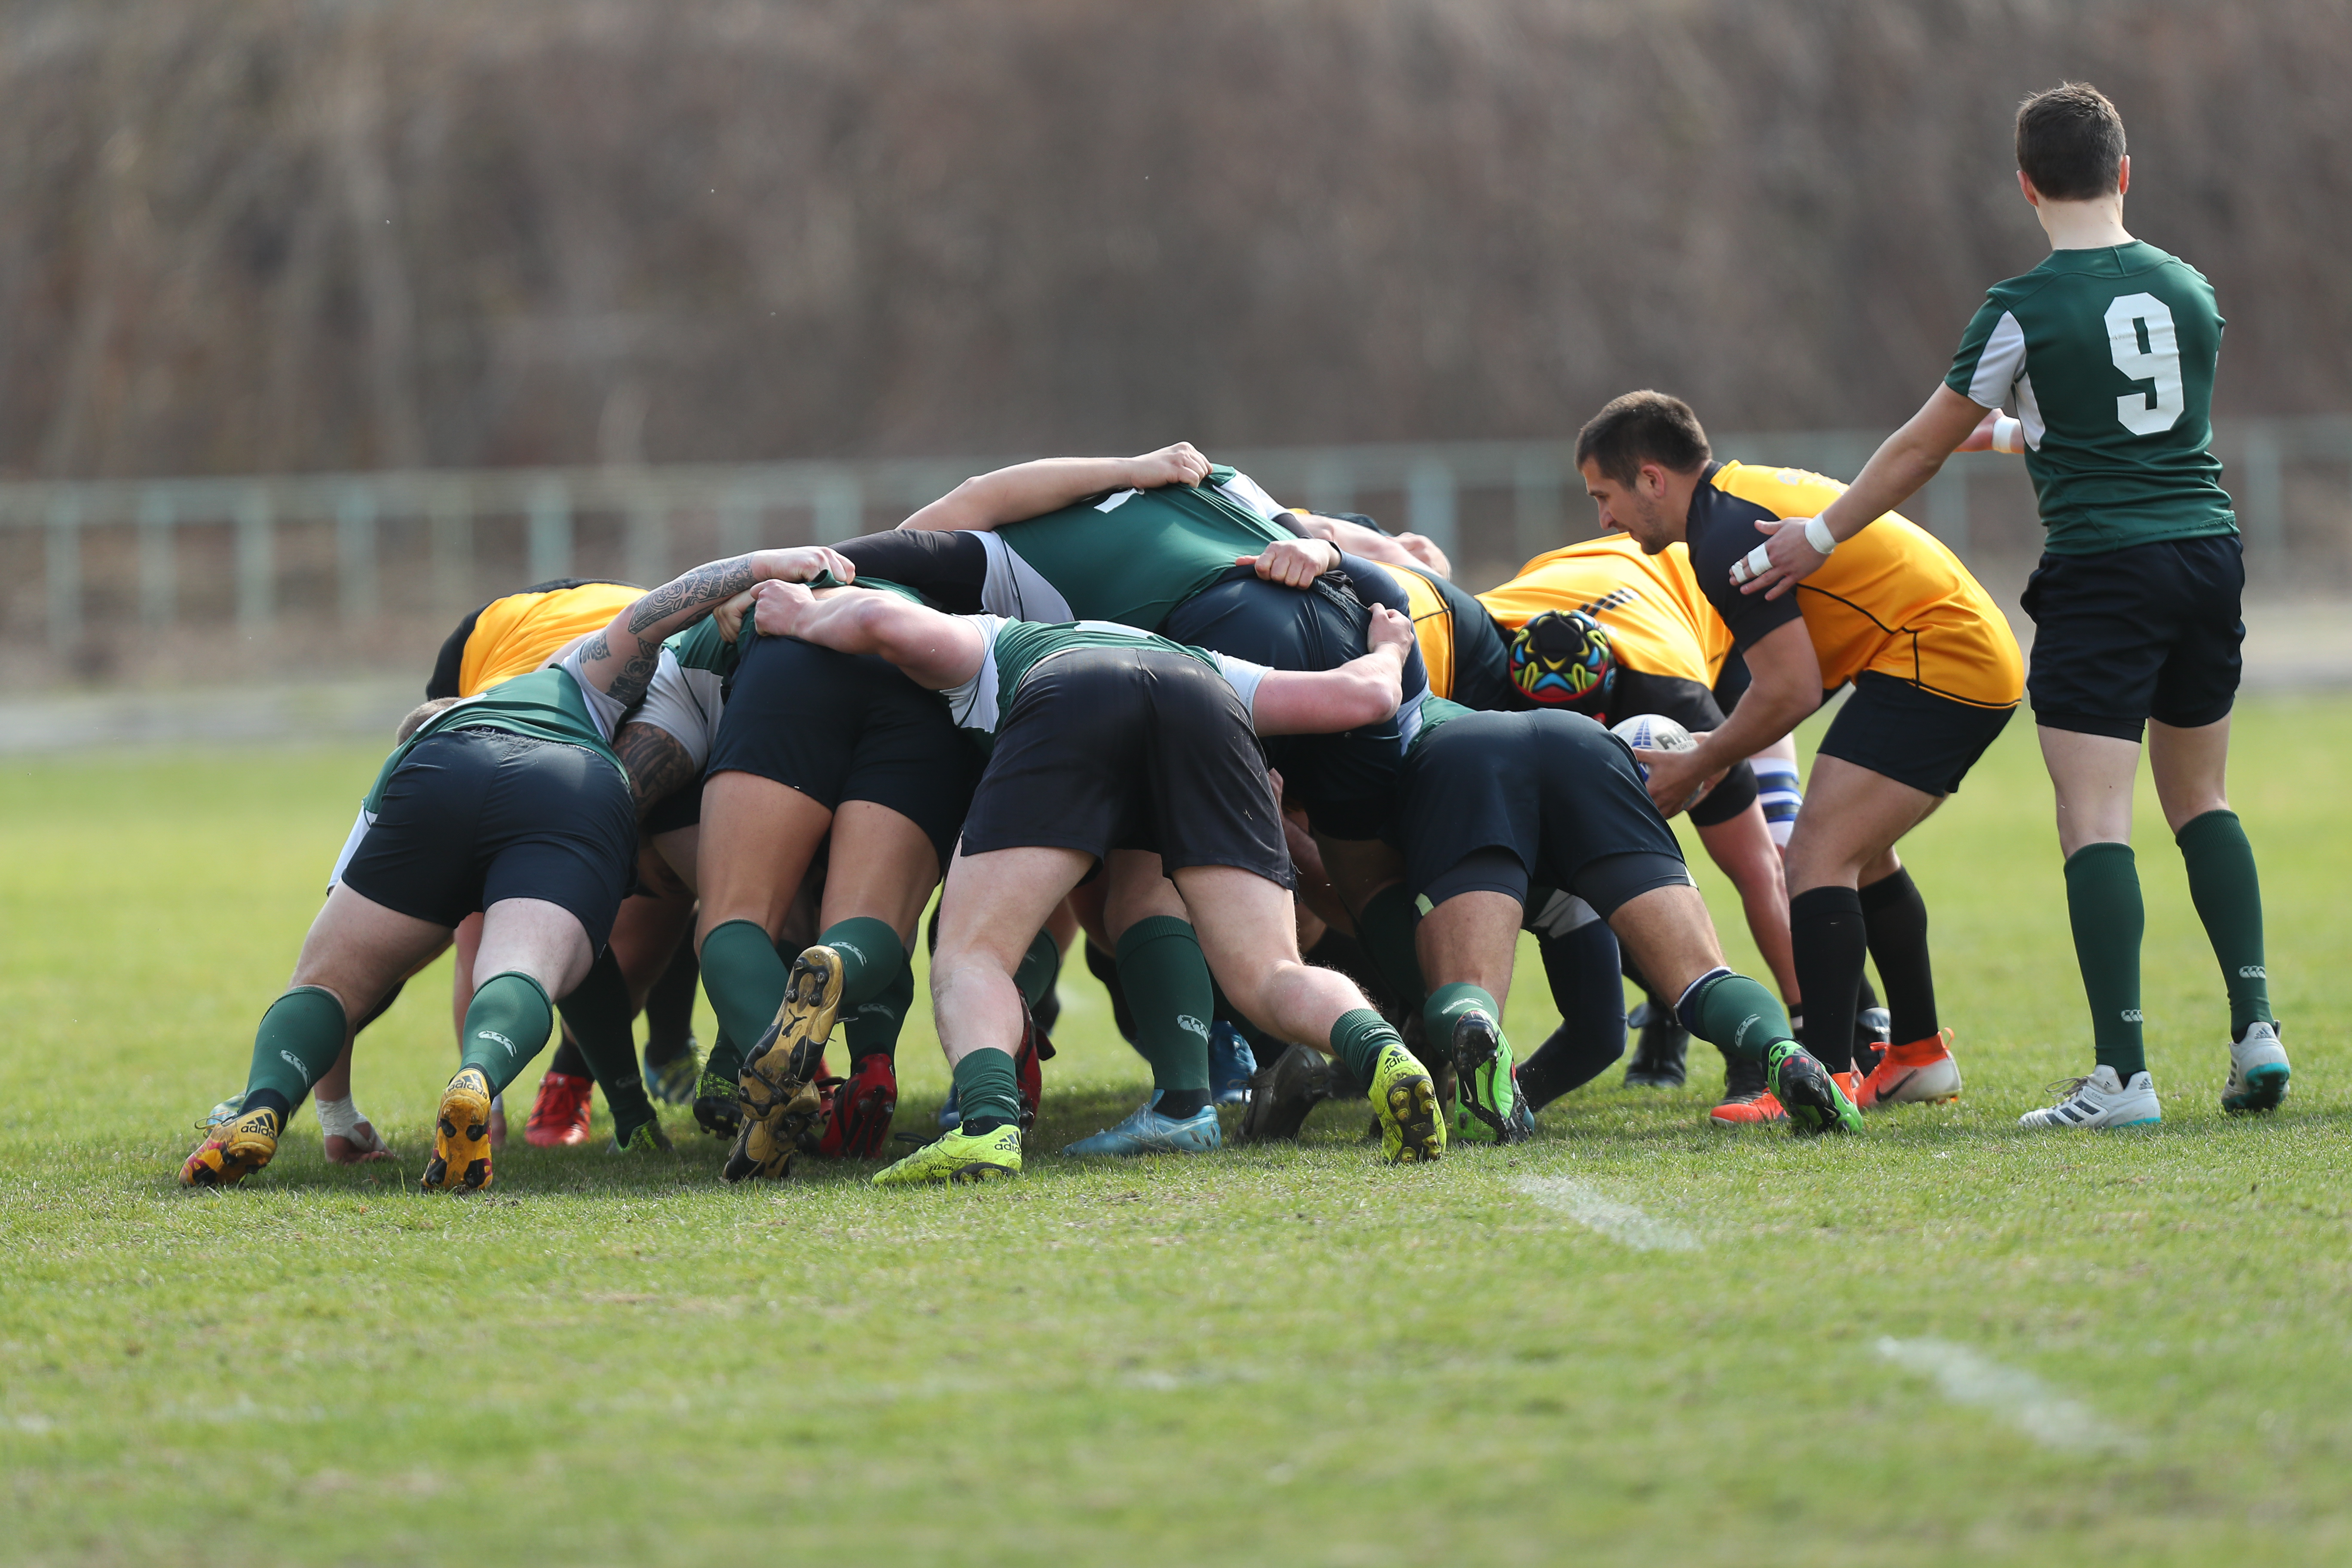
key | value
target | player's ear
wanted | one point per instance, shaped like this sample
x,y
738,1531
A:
x,y
2123,175
2025,188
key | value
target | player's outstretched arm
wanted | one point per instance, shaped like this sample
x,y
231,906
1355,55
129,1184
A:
x,y
937,651
1904,461
1364,690
1032,490
1408,550
620,659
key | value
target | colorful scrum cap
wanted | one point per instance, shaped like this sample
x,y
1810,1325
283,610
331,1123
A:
x,y
1562,656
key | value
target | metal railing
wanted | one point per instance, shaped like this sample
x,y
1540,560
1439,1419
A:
x,y
441,516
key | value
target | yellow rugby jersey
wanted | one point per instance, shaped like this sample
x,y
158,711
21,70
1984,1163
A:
x,y
514,635
1890,599
1659,622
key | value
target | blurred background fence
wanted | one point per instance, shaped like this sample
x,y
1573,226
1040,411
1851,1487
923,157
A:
x,y
343,562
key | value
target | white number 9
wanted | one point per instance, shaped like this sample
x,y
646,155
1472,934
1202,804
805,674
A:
x,y
2154,412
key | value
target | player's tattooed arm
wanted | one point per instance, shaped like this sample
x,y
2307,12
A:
x,y
657,765
621,658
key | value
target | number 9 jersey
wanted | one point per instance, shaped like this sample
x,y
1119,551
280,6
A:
x,y
2107,358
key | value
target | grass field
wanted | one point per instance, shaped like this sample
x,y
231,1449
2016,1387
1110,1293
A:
x,y
1635,1341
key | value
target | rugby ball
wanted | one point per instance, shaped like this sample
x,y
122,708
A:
x,y
1652,733
1657,732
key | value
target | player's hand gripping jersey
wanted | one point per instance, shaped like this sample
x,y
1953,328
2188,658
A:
x,y
2107,358
1890,600
516,634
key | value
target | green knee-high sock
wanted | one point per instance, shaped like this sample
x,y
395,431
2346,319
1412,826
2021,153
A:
x,y
299,1037
873,1029
1451,1001
1040,971
2228,893
598,1013
1735,1015
872,956
1358,1037
1167,985
2104,903
745,981
507,1025
988,1092
1385,929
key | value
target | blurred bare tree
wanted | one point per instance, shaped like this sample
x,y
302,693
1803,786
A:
x,y
290,234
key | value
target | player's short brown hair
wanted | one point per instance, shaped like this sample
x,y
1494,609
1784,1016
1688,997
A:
x,y
1642,428
430,709
2070,142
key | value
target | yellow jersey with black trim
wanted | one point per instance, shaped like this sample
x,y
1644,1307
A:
x,y
516,634
1658,620
1890,599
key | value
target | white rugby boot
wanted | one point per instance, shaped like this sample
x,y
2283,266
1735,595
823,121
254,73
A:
x,y
2258,1071
2101,1100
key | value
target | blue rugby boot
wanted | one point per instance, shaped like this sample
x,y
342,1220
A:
x,y
1145,1131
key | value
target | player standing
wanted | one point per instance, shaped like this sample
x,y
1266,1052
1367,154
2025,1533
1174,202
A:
x,y
2106,352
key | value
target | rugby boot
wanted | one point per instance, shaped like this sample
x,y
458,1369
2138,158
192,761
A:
x,y
958,1157
461,1136
232,1149
671,1082
560,1116
1920,1073
1873,1032
718,1106
1745,1101
791,1052
2258,1071
1404,1098
1145,1131
1035,1049
649,1138
1807,1092
854,1113
1662,1052
1281,1095
1489,1110
1231,1065
764,1145
2099,1102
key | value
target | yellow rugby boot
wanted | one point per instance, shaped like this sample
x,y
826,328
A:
x,y
1405,1097
958,1156
461,1136
233,1150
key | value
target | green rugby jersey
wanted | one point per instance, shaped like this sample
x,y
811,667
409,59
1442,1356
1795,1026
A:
x,y
546,704
2107,358
1132,555
1015,648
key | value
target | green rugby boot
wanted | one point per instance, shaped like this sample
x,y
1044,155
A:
x,y
1490,1109
958,1156
1404,1098
718,1106
649,1138
1814,1103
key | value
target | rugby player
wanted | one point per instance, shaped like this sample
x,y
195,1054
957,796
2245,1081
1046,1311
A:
x,y
511,803
1102,738
1492,803
1936,674
1169,542
2107,351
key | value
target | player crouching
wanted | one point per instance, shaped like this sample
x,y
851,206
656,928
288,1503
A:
x,y
511,803
1103,737
1492,803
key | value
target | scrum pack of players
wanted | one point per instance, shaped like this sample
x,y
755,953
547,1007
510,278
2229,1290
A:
x,y
1140,700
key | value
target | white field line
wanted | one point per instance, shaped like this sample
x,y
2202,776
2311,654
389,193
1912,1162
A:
x,y
1589,1207
2017,1397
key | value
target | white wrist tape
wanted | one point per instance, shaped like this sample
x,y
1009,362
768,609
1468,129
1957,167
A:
x,y
1818,535
2008,435
337,1117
